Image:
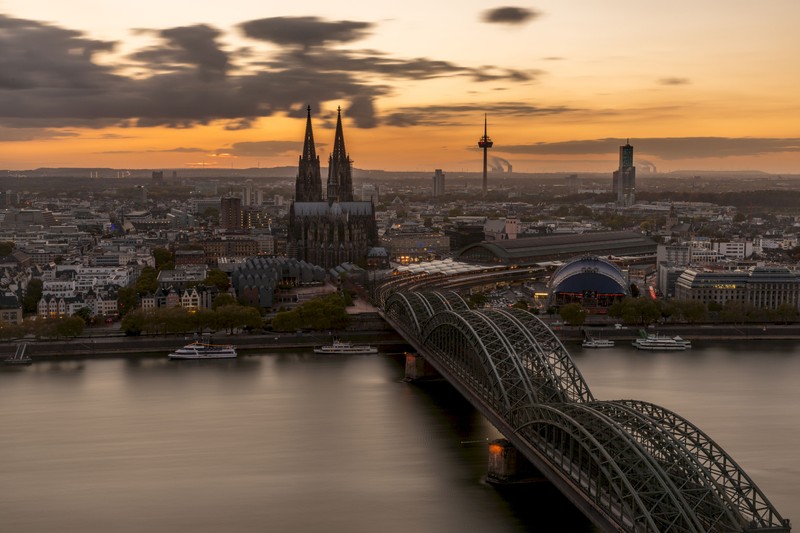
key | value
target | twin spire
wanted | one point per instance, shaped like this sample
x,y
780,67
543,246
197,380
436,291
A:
x,y
308,187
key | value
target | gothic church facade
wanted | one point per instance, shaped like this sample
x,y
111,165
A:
x,y
334,229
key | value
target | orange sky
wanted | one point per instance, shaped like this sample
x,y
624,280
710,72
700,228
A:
x,y
694,85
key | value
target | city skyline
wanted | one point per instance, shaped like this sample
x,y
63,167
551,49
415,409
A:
x,y
708,86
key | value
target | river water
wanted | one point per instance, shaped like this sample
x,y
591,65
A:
x,y
304,443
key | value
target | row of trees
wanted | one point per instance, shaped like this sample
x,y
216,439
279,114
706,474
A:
x,y
43,328
181,320
644,311
323,313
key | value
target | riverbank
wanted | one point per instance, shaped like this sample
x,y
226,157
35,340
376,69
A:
x,y
102,346
109,342
759,332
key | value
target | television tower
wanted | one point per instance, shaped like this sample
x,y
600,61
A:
x,y
485,142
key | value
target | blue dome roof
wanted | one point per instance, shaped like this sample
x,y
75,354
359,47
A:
x,y
588,273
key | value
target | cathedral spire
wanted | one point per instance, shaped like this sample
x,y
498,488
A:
x,y
308,187
340,178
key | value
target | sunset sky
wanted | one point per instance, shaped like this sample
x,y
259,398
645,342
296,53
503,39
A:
x,y
710,84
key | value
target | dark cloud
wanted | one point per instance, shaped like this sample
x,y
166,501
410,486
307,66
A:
x,y
674,81
179,150
509,15
362,112
33,134
187,47
36,55
664,148
305,31
461,114
50,78
263,148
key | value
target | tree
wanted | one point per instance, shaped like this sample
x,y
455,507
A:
x,y
223,299
573,314
786,313
476,300
126,300
634,290
33,293
147,282
324,313
133,323
218,278
165,260
6,247
86,314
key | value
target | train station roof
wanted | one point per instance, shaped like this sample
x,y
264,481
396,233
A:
x,y
532,250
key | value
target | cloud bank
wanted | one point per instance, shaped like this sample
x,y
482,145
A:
x,y
51,77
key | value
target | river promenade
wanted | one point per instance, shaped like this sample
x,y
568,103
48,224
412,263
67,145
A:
x,y
109,341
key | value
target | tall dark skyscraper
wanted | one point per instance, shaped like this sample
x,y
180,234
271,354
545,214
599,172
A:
x,y
230,212
624,181
336,229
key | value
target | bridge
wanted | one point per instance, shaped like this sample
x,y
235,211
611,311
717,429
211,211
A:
x,y
628,465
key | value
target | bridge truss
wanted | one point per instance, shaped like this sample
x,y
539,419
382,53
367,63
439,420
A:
x,y
629,465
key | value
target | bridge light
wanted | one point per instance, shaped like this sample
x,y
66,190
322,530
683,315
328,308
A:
x,y
495,449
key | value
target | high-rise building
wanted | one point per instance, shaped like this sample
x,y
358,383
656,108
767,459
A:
x,y
247,193
624,180
438,183
334,230
230,212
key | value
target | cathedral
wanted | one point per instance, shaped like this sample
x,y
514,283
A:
x,y
333,229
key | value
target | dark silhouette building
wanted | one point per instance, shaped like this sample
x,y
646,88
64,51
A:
x,y
230,212
332,230
624,184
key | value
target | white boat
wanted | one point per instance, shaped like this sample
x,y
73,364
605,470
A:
x,y
204,350
341,347
654,341
590,342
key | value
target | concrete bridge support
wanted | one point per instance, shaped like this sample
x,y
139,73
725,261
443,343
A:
x,y
507,465
417,368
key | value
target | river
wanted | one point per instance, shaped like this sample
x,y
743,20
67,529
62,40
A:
x,y
297,442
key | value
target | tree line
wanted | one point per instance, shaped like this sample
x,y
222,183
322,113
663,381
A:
x,y
644,311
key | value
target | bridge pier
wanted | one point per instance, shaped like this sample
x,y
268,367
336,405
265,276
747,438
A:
x,y
418,368
507,465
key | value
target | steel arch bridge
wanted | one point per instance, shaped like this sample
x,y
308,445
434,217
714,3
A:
x,y
628,465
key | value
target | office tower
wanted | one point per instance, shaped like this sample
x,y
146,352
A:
x,y
230,212
624,179
438,183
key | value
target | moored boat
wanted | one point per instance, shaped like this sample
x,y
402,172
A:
x,y
343,347
654,341
590,342
204,350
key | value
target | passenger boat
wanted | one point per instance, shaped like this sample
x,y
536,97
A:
x,y
590,342
654,341
204,350
341,347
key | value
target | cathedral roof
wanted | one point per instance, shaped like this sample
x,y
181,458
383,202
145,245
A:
x,y
305,209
